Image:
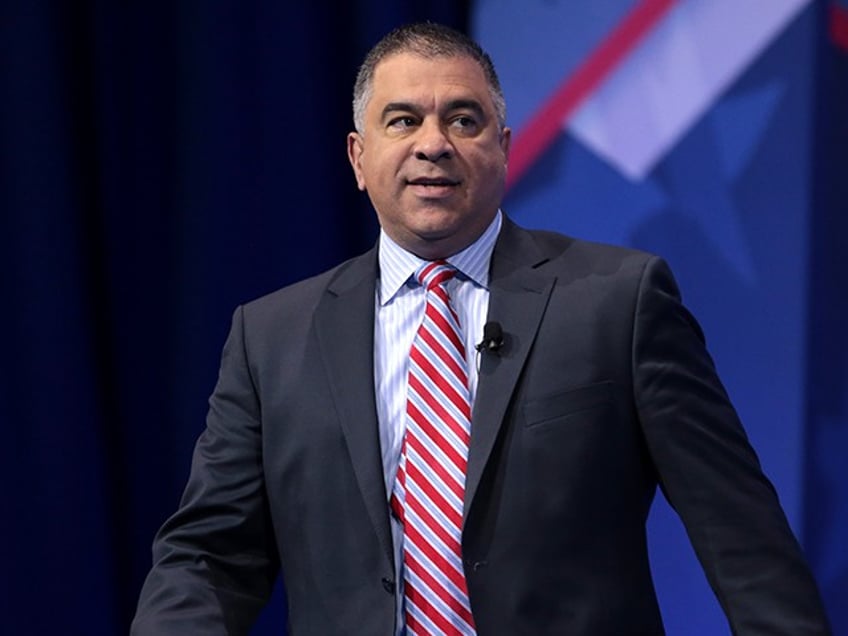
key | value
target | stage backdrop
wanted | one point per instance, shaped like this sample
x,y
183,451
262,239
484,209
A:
x,y
707,131
160,163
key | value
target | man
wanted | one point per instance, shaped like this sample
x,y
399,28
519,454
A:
x,y
402,478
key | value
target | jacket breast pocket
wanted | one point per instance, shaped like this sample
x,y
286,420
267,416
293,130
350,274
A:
x,y
567,407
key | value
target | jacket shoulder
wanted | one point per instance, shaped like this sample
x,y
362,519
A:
x,y
564,250
301,297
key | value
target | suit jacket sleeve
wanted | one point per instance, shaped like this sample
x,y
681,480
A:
x,y
214,560
710,474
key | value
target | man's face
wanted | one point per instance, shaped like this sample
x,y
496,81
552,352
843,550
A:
x,y
431,156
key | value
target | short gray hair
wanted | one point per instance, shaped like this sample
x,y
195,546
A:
x,y
426,39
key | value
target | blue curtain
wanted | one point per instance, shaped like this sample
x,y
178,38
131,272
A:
x,y
159,164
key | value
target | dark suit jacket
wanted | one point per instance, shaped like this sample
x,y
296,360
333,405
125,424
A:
x,y
602,390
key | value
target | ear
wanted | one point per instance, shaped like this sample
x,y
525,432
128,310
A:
x,y
506,140
355,148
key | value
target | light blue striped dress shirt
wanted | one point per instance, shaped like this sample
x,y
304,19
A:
x,y
399,312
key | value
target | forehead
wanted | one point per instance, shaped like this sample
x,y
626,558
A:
x,y
409,76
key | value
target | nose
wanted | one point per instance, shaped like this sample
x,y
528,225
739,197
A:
x,y
431,143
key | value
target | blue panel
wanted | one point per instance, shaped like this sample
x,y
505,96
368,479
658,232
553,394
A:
x,y
556,35
729,207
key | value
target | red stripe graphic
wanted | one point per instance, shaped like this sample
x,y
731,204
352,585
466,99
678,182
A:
x,y
544,126
839,26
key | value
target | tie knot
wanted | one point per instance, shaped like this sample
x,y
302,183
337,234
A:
x,y
434,273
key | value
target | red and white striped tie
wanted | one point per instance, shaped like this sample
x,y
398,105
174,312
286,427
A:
x,y
430,485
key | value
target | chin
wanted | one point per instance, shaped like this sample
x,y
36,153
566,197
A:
x,y
437,229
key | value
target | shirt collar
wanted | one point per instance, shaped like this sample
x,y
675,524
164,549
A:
x,y
397,265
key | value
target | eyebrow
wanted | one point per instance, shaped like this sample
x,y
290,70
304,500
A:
x,y
456,104
393,107
467,104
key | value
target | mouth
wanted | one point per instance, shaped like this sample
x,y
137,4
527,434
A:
x,y
433,182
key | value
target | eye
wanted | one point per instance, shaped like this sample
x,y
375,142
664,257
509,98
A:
x,y
402,123
465,123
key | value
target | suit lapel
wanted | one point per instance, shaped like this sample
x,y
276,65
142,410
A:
x,y
344,324
518,296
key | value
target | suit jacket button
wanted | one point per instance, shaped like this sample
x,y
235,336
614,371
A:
x,y
389,585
